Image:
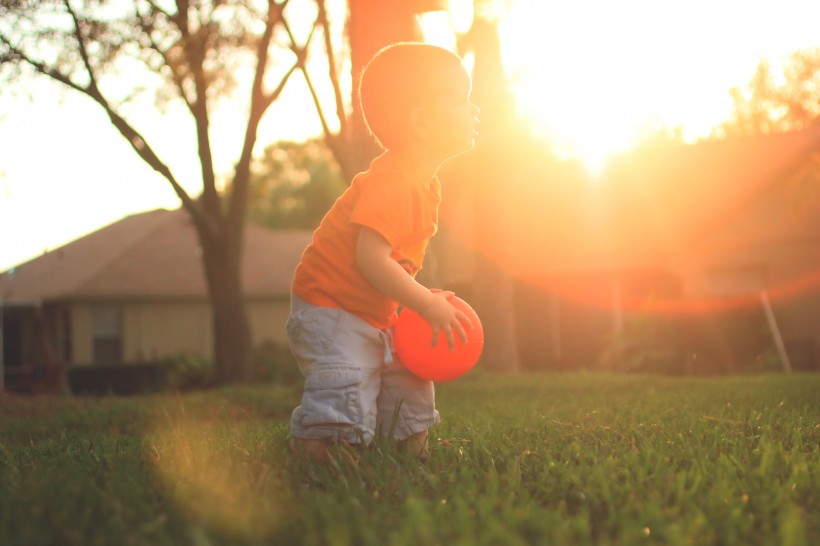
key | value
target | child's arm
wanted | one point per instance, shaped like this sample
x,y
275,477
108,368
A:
x,y
374,262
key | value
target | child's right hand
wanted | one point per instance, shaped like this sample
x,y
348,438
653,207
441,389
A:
x,y
443,316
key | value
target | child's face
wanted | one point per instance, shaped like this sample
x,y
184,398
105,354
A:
x,y
453,118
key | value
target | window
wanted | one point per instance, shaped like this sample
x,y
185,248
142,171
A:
x,y
106,334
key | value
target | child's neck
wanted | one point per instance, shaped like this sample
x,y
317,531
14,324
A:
x,y
419,166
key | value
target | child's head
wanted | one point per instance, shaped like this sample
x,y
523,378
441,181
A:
x,y
407,78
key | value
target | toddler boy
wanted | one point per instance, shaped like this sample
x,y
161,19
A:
x,y
361,264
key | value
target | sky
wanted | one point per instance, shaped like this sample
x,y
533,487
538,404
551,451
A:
x,y
590,75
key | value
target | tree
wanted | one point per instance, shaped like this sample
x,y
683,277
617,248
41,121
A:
x,y
294,184
195,48
769,104
372,25
491,170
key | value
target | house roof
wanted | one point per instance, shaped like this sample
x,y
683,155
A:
x,y
150,255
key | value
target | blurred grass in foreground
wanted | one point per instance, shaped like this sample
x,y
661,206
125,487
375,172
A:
x,y
565,459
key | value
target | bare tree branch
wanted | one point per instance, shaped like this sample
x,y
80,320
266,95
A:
x,y
176,76
134,138
190,46
301,57
78,34
332,68
201,115
259,104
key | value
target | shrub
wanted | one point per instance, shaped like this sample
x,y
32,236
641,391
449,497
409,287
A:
x,y
274,362
188,370
718,343
117,378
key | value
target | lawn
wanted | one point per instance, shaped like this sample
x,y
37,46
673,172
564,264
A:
x,y
563,459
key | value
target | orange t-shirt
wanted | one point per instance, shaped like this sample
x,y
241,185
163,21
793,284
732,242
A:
x,y
384,198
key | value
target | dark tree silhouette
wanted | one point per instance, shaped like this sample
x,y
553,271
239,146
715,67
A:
x,y
372,25
196,48
489,171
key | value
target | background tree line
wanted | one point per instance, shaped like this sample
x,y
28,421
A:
x,y
191,53
295,183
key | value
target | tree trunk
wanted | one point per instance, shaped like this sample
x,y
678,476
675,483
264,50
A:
x,y
232,339
492,168
487,173
495,302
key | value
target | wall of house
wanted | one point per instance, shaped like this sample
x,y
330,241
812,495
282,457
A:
x,y
155,330
268,322
151,331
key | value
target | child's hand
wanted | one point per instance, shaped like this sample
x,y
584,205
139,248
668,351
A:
x,y
443,316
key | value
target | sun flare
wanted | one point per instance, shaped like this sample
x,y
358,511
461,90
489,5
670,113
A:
x,y
595,78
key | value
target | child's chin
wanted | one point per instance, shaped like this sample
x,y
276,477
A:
x,y
469,144
464,147
461,150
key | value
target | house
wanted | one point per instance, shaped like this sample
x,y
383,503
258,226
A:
x,y
134,292
700,258
711,249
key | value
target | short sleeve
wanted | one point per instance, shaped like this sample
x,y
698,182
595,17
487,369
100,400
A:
x,y
385,206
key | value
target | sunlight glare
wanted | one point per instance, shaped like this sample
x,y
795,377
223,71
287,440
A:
x,y
592,76
596,78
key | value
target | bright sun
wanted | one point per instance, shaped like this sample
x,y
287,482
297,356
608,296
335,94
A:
x,y
596,77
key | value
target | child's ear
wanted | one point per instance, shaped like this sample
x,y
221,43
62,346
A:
x,y
419,124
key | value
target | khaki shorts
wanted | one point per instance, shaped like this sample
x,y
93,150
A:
x,y
355,387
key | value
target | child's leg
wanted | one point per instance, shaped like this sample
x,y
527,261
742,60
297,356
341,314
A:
x,y
407,408
315,450
417,444
339,356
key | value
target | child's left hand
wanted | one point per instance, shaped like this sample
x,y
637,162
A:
x,y
442,316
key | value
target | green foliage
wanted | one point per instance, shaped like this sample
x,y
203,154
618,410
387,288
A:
x,y
271,363
570,459
294,184
693,345
275,363
185,371
188,370
117,378
775,103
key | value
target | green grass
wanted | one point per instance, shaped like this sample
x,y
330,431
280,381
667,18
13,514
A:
x,y
568,459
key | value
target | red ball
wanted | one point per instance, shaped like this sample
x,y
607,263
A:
x,y
412,337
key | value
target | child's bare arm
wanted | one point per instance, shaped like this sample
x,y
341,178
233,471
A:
x,y
373,260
